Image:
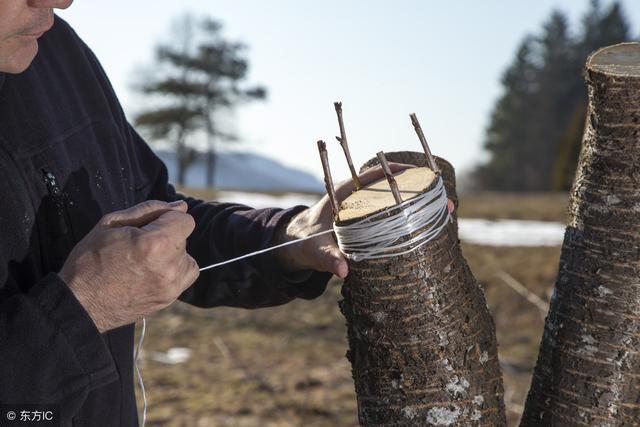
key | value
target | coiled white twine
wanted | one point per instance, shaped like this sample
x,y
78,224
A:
x,y
139,374
385,234
378,236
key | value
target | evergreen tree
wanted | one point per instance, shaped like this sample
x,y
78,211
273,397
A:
x,y
507,138
555,102
197,77
599,29
535,131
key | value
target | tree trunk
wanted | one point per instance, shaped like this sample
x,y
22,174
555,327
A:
x,y
588,369
181,173
211,166
421,340
211,153
181,160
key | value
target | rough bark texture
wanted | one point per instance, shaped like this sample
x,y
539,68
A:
x,y
588,369
421,340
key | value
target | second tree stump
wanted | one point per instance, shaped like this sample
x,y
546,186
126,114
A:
x,y
588,369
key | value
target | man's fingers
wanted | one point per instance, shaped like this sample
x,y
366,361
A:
x,y
176,224
142,213
329,258
191,271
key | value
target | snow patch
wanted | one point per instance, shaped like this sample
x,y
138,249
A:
x,y
511,232
484,357
478,400
173,356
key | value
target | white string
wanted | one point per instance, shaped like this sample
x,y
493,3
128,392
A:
x,y
229,261
376,236
135,362
144,321
381,235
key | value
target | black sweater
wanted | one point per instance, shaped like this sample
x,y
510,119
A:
x,y
67,157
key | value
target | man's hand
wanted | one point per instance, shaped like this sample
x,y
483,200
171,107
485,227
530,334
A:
x,y
132,263
322,253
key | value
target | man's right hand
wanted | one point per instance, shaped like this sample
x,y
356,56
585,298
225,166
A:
x,y
132,263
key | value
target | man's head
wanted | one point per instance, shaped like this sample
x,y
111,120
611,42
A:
x,y
22,22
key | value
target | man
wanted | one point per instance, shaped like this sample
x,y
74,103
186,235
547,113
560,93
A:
x,y
94,237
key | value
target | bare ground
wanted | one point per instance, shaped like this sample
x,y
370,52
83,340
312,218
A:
x,y
285,366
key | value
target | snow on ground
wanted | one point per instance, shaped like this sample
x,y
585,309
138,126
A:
x,y
262,200
504,232
511,232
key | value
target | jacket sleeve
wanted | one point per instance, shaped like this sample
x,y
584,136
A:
x,y
224,231
50,349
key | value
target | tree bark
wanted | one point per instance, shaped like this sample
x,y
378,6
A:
x,y
588,369
421,340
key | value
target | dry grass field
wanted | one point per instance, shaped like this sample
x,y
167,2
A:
x,y
285,366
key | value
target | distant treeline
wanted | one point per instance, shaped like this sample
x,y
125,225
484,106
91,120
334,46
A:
x,y
536,126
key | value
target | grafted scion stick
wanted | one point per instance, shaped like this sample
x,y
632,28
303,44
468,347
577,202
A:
x,y
423,141
389,175
342,139
328,182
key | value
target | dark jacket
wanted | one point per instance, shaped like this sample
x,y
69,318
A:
x,y
67,157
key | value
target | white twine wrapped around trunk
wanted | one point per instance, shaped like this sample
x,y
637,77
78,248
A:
x,y
385,233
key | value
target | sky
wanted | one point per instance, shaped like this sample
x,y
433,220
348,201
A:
x,y
382,59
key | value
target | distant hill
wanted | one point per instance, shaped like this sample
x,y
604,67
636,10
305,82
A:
x,y
246,172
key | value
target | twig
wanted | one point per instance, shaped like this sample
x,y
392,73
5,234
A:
x,y
387,173
342,139
523,291
222,347
423,141
328,182
305,405
249,374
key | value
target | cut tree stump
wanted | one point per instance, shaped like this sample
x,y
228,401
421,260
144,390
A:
x,y
588,369
421,340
